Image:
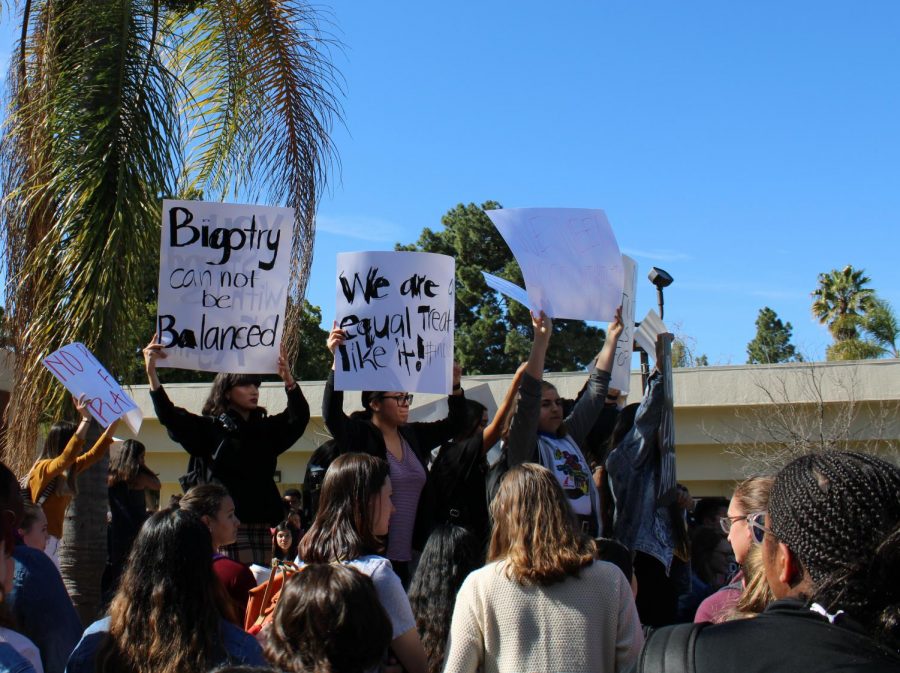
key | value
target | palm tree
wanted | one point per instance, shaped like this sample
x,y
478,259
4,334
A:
x,y
883,328
840,302
114,105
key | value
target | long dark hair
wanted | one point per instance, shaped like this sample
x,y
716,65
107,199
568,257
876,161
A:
x,y
450,554
474,416
126,464
57,438
839,512
342,529
168,583
328,619
217,402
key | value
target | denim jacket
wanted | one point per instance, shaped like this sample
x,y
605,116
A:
x,y
635,469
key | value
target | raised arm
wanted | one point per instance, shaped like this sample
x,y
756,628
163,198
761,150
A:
x,y
286,428
50,469
98,450
521,444
491,434
588,408
153,352
337,422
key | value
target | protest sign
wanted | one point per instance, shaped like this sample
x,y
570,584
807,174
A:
x,y
648,332
223,282
397,310
82,374
621,371
569,259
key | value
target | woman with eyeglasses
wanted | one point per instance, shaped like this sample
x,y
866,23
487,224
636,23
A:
x,y
382,430
741,525
236,443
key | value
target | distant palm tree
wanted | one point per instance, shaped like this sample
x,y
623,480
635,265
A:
x,y
883,328
841,300
114,105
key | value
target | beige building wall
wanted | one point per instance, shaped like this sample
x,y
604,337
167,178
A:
x,y
713,405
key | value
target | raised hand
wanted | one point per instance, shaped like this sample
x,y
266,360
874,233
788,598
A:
x,y
336,338
284,368
153,351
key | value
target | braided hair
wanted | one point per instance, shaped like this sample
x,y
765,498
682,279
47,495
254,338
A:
x,y
839,512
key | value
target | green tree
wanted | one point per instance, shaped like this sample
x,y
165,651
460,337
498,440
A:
x,y
840,302
883,328
494,335
683,353
772,342
113,105
313,361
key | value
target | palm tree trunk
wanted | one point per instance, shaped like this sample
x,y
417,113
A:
x,y
82,553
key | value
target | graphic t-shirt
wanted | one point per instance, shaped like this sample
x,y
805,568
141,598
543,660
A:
x,y
563,457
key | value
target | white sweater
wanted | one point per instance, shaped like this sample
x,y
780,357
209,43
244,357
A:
x,y
583,624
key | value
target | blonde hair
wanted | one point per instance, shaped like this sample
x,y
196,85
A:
x,y
535,530
756,594
752,494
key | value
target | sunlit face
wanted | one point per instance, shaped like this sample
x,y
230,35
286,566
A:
x,y
243,398
224,526
283,539
390,408
551,411
382,508
739,536
37,536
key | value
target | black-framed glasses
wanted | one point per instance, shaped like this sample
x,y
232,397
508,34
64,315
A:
x,y
403,400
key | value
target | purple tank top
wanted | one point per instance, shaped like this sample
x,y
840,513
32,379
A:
x,y
407,481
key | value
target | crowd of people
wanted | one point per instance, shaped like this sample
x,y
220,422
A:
x,y
407,550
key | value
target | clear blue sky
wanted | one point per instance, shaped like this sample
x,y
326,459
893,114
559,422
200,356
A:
x,y
743,147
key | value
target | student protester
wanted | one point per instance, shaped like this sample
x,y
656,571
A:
x,y
383,431
167,615
234,442
284,544
538,433
460,471
830,547
215,508
354,512
750,498
641,474
52,481
38,601
450,554
23,648
542,603
33,527
328,618
127,484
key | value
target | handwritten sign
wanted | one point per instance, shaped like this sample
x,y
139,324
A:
x,y
397,309
621,371
223,281
82,374
569,258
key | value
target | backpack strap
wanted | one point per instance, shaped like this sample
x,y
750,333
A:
x,y
670,649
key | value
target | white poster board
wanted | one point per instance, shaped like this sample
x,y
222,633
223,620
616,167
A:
x,y
397,309
621,371
223,282
82,374
647,334
569,259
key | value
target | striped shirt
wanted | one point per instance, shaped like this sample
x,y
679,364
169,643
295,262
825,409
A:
x,y
407,482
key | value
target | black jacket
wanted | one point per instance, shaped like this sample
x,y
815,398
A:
x,y
246,456
790,638
361,435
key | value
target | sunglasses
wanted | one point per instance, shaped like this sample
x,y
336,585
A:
x,y
403,400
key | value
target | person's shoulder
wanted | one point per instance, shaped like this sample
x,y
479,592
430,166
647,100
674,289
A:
x,y
239,643
372,565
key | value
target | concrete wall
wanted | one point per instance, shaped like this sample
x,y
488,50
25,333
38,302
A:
x,y
713,405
